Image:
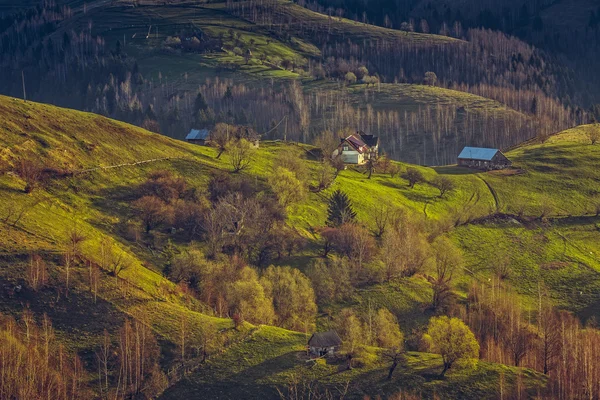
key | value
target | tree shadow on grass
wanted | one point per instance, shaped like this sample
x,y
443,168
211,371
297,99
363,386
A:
x,y
456,170
407,192
76,316
205,382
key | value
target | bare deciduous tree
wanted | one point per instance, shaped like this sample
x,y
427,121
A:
x,y
444,184
31,171
240,155
447,261
37,272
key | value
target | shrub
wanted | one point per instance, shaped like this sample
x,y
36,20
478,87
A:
x,y
350,78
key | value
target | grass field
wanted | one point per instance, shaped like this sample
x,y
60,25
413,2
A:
x,y
557,251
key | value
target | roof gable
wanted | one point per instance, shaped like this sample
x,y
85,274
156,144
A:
x,y
478,153
357,143
369,140
197,134
325,339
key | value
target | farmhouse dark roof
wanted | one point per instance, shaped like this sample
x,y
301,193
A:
x,y
370,140
477,153
197,134
325,339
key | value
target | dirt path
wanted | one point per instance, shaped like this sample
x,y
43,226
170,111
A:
x,y
492,191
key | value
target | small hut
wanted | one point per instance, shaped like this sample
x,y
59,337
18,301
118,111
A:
x,y
324,344
198,136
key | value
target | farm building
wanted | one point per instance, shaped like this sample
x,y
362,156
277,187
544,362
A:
x,y
483,158
357,148
198,136
324,344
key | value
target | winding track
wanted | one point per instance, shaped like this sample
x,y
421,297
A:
x,y
492,191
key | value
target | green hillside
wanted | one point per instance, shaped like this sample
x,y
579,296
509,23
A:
x,y
97,164
145,41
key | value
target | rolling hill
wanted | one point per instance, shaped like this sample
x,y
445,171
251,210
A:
x,y
545,207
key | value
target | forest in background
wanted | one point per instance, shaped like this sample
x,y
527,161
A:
x,y
79,69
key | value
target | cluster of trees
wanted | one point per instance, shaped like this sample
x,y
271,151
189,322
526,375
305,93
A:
x,y
470,61
376,328
234,216
449,337
128,364
239,225
33,365
553,342
396,247
280,296
524,19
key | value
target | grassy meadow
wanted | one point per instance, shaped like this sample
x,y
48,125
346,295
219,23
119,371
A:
x,y
557,249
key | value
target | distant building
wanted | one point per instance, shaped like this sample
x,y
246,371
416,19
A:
x,y
358,148
483,158
198,136
250,135
324,344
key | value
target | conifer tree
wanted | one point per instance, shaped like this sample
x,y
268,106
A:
x,y
200,103
340,209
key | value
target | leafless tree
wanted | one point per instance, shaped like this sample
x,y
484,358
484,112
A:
x,y
444,184
31,171
396,357
240,155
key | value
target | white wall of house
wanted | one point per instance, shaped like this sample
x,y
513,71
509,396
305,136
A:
x,y
352,157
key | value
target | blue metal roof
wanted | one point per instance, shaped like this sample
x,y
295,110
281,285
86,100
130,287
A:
x,y
478,153
197,134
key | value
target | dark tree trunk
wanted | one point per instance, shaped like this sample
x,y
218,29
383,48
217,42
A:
x,y
446,367
392,368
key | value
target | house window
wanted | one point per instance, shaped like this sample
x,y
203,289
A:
x,y
345,148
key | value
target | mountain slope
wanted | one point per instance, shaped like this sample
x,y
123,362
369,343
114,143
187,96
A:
x,y
98,202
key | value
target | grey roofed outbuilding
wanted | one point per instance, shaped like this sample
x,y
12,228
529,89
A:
x,y
478,153
197,134
325,339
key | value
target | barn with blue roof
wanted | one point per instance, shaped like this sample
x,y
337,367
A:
x,y
198,136
483,158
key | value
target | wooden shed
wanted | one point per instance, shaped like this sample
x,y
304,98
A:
x,y
324,344
198,136
483,158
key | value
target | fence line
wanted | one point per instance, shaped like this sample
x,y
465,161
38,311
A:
x,y
133,164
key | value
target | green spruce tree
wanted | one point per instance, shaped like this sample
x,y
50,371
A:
x,y
340,209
